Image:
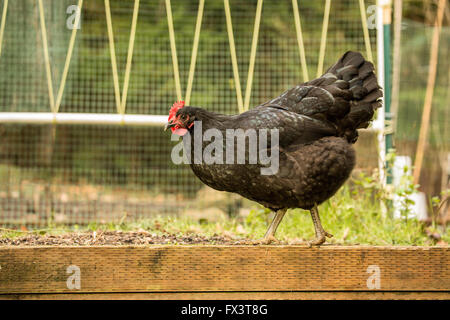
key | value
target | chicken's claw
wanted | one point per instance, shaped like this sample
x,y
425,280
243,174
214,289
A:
x,y
269,239
317,241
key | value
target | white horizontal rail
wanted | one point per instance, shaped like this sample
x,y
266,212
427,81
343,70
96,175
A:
x,y
82,118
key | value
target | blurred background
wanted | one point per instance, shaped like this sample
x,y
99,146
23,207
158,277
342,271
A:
x,y
84,173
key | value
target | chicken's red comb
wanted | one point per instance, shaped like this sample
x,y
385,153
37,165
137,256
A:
x,y
175,107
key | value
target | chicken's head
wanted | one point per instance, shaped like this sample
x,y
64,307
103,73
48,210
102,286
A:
x,y
179,121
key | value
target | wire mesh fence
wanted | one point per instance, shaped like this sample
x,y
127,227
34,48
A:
x,y
415,41
86,173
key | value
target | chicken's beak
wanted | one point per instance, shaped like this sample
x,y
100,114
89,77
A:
x,y
169,125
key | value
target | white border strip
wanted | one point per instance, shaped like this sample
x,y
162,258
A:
x,y
378,123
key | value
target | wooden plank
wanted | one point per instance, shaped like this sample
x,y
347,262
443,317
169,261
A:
x,y
108,269
267,295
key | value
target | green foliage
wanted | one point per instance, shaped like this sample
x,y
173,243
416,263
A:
x,y
404,191
355,215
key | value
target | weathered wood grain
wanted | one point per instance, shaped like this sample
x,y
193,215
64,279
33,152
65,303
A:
x,y
263,295
220,269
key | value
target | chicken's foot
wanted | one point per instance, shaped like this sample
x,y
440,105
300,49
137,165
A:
x,y
270,233
321,234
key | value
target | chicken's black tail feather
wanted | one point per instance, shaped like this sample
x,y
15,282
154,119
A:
x,y
346,96
357,76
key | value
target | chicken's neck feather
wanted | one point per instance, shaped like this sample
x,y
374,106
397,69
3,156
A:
x,y
211,119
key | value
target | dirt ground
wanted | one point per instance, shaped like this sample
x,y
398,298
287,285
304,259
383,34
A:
x,y
116,238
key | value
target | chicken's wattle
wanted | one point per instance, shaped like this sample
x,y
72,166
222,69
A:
x,y
179,131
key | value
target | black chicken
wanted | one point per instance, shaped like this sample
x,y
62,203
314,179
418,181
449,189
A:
x,y
317,123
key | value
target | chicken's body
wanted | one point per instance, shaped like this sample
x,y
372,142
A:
x,y
317,123
310,170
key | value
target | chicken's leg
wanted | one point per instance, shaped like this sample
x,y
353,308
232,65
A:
x,y
320,233
270,233
269,237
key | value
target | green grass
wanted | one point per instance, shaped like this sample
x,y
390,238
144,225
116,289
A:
x,y
361,212
351,218
355,215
